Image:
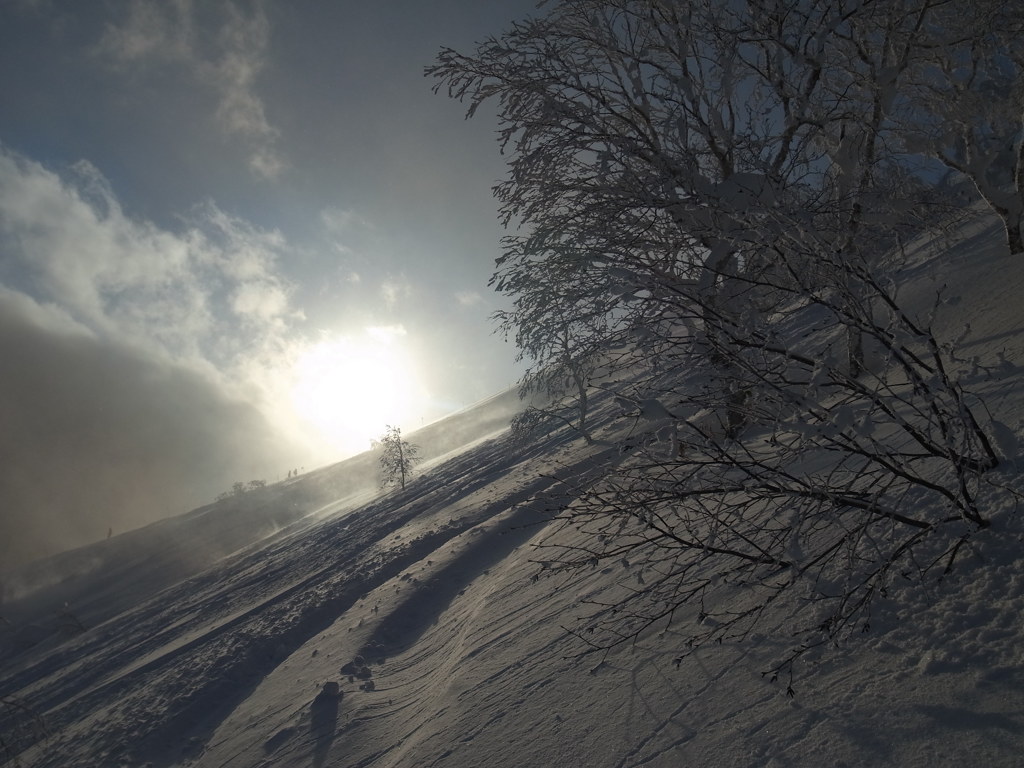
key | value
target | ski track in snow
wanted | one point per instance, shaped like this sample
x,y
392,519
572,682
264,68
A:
x,y
455,657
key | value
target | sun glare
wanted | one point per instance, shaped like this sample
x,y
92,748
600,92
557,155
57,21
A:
x,y
350,387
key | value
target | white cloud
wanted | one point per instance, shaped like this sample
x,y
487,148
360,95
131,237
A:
x,y
241,111
166,352
394,290
151,29
47,318
99,434
261,302
350,234
167,31
76,248
340,221
386,333
67,242
468,298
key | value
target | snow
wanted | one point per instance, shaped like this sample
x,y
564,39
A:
x,y
218,639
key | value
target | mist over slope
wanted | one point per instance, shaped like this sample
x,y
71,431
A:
x,y
98,436
165,552
423,628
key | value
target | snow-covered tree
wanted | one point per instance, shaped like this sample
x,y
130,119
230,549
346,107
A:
x,y
647,141
699,195
562,325
397,457
964,105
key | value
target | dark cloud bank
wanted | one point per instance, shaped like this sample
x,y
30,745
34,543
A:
x,y
97,436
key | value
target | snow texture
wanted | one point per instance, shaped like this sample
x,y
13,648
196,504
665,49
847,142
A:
x,y
406,629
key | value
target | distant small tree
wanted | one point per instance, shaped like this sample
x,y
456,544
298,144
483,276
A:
x,y
238,488
397,457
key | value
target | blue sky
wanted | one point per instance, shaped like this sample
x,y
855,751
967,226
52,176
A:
x,y
241,206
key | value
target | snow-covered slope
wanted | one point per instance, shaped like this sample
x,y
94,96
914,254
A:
x,y
408,630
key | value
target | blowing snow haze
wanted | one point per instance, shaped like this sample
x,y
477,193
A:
x,y
99,435
236,238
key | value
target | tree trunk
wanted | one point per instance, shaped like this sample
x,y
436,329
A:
x,y
401,461
581,392
855,351
1014,239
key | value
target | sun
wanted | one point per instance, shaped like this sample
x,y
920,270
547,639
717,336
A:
x,y
350,387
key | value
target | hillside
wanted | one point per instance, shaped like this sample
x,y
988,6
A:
x,y
313,626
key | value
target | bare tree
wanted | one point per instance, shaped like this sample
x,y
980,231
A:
x,y
811,498
965,103
701,187
563,321
647,137
397,457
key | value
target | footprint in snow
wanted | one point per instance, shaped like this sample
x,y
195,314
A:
x,y
323,724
